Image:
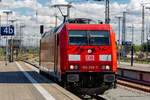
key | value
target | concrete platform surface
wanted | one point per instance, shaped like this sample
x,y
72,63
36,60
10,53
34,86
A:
x,y
20,81
136,66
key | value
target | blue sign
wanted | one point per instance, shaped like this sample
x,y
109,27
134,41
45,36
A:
x,y
126,43
7,30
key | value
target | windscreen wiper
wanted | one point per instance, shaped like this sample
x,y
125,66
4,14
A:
x,y
88,37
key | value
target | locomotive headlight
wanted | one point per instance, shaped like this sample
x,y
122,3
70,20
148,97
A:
x,y
71,67
107,67
74,67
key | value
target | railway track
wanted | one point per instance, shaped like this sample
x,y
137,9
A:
x,y
92,97
138,89
134,85
83,97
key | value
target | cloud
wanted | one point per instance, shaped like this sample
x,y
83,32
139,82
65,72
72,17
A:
x,y
58,2
35,13
94,11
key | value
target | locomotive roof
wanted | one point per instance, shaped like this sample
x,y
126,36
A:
x,y
56,30
53,30
79,20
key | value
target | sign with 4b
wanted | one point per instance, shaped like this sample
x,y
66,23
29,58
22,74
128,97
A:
x,y
7,30
126,43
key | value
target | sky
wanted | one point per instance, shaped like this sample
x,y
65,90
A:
x,y
33,13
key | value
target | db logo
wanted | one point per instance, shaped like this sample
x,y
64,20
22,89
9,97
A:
x,y
90,58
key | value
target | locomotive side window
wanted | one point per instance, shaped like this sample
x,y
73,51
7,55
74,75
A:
x,y
82,37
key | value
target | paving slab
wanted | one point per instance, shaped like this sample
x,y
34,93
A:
x,y
15,85
56,91
136,66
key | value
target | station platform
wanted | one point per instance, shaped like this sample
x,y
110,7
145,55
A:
x,y
136,66
138,73
21,81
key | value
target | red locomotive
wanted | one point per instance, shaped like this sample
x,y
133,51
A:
x,y
81,56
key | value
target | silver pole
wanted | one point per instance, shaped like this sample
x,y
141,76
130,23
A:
x,y
11,52
143,23
147,32
147,40
7,13
124,33
107,19
132,34
6,42
0,32
20,39
132,48
119,40
119,30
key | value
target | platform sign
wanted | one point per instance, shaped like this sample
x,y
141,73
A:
x,y
126,43
7,30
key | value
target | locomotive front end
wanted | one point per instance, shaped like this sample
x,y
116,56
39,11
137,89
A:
x,y
91,58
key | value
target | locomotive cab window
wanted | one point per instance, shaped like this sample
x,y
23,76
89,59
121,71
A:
x,y
77,37
82,37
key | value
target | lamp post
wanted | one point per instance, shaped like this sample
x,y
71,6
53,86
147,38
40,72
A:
x,y
7,12
21,36
147,36
119,39
0,32
107,19
143,24
11,47
132,49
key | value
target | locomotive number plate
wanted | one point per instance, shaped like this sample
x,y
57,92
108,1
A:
x,y
89,58
90,67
